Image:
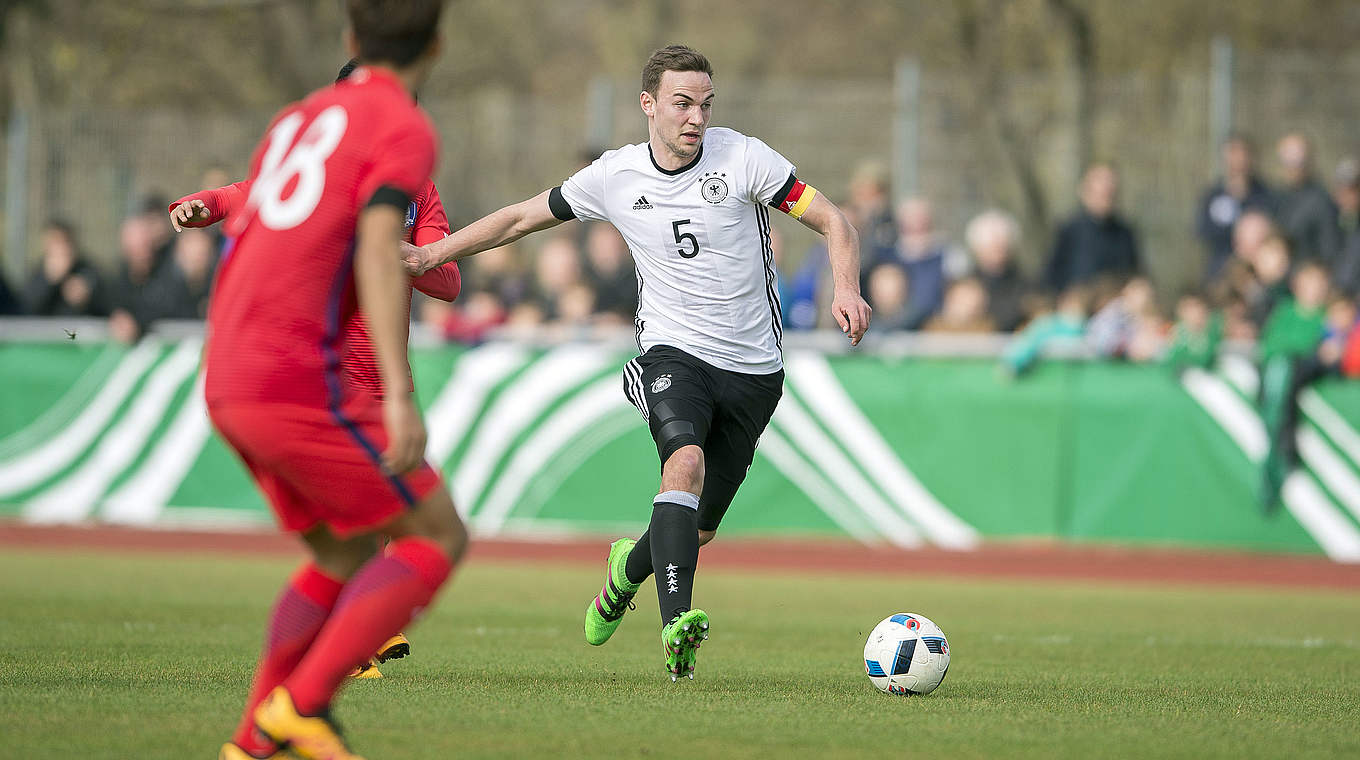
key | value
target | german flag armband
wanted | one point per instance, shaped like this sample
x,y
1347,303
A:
x,y
794,197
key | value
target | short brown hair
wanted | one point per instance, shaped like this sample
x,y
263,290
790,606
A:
x,y
394,31
672,58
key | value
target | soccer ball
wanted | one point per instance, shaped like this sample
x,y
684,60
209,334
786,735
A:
x,y
906,654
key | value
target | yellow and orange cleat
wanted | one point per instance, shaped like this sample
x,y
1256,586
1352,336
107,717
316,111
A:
x,y
310,738
367,670
396,648
230,751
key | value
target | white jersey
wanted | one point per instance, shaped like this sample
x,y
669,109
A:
x,y
700,236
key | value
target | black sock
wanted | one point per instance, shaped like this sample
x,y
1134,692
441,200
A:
x,y
639,564
675,552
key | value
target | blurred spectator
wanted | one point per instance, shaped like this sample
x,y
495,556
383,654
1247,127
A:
x,y
1303,207
1237,278
9,304
1196,335
498,273
887,295
1238,190
130,295
870,208
809,287
1271,270
557,270
1128,325
964,310
158,224
784,281
929,260
609,270
1237,324
1337,326
992,237
1067,323
1346,192
576,305
1295,327
181,287
1095,240
1289,346
64,283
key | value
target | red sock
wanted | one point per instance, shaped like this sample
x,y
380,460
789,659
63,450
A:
x,y
298,616
386,593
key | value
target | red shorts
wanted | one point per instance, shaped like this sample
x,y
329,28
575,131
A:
x,y
317,466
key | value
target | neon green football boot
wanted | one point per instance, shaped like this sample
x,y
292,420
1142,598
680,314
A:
x,y
615,598
681,639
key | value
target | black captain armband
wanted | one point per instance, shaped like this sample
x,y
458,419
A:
x,y
559,206
389,196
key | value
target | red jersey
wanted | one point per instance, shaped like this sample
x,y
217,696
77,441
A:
x,y
284,294
426,222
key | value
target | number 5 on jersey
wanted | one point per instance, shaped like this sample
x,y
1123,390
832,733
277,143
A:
x,y
305,162
689,244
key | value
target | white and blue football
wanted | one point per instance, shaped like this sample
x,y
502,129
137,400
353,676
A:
x,y
906,654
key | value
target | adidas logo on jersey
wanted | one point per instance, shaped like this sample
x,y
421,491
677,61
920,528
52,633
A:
x,y
642,204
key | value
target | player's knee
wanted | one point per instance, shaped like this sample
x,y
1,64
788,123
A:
x,y
706,535
340,558
684,470
436,519
688,459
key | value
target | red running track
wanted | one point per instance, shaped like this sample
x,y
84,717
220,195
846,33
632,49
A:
x,y
1048,560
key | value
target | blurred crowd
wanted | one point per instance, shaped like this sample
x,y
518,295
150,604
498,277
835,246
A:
x,y
1281,266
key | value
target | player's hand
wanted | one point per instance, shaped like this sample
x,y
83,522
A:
x,y
190,213
851,313
416,259
405,433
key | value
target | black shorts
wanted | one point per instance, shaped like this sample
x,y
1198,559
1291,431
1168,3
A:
x,y
687,401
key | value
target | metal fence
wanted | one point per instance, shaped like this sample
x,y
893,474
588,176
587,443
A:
x,y
500,146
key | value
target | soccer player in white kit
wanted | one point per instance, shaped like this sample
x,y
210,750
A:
x,y
693,205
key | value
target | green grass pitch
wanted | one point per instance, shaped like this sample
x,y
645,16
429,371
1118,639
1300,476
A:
x,y
126,656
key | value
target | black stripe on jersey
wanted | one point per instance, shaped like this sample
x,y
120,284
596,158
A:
x,y
771,282
638,324
783,192
559,206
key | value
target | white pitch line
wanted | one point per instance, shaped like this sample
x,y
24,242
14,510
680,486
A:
x,y
584,410
451,415
24,472
1237,419
785,458
60,414
791,418
1330,468
825,395
1241,373
1332,423
557,373
74,497
141,500
1310,506
1319,517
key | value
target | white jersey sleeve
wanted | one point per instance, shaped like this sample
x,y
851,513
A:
x,y
584,191
766,171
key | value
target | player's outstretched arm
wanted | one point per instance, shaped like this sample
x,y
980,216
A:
x,y
208,207
842,246
491,231
382,285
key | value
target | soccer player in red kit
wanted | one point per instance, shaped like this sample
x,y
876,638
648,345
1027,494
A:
x,y
316,240
425,223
